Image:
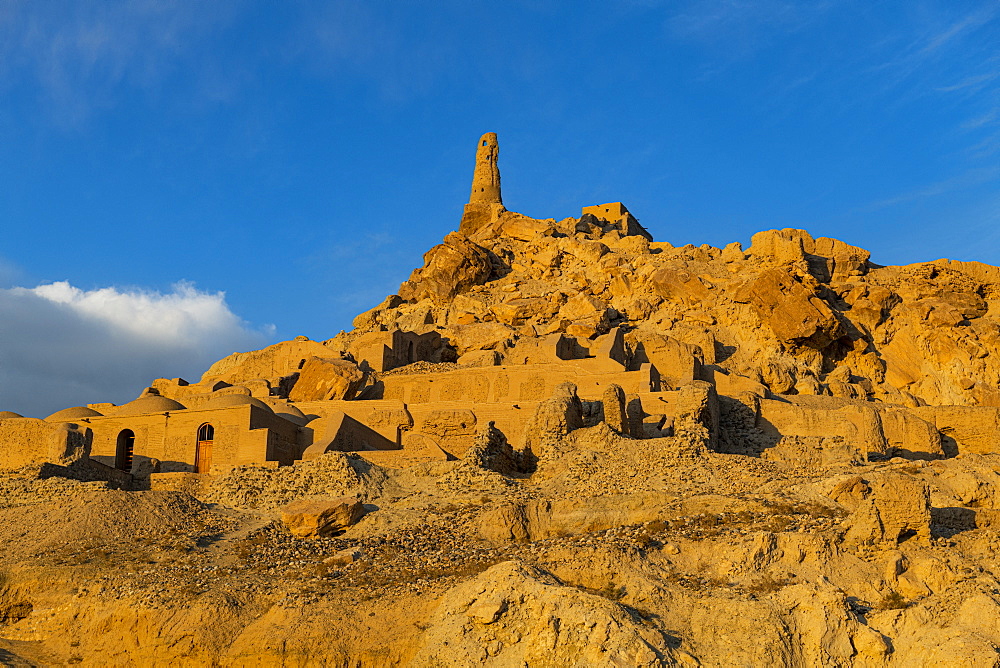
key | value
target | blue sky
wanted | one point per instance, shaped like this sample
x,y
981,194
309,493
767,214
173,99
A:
x,y
300,157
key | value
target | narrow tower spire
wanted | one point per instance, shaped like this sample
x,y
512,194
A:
x,y
486,177
485,204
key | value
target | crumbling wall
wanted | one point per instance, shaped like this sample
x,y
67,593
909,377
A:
x,y
26,441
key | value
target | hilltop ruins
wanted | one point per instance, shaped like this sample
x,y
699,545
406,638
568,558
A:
x,y
557,425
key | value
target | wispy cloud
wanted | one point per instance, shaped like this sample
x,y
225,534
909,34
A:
x,y
934,41
979,222
989,118
77,56
972,82
968,179
732,32
83,57
714,19
376,46
956,28
986,148
371,266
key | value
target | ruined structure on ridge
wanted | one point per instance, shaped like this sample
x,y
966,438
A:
x,y
485,203
486,177
781,455
790,339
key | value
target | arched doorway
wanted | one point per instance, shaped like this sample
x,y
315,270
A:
x,y
124,450
203,453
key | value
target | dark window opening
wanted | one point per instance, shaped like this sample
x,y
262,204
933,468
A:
x,y
206,432
484,142
124,450
302,363
203,451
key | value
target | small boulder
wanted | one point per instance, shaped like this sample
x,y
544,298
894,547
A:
x,y
317,518
344,557
553,419
791,309
614,409
815,451
481,358
143,467
892,507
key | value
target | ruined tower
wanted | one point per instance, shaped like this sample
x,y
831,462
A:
x,y
485,204
486,177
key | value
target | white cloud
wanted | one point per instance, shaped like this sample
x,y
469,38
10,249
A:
x,y
61,346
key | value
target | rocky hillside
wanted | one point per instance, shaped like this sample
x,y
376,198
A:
x,y
614,551
588,547
800,316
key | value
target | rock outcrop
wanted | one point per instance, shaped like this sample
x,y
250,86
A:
x,y
318,517
515,614
889,508
450,269
555,418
